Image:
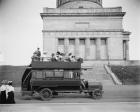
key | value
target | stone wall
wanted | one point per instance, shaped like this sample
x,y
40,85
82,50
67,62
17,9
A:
x,y
82,23
115,48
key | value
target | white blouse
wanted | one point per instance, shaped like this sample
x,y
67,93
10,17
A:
x,y
10,88
3,88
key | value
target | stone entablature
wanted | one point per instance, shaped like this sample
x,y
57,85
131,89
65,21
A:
x,y
81,34
126,35
85,14
78,11
117,11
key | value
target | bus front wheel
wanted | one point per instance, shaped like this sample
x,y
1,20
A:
x,y
45,94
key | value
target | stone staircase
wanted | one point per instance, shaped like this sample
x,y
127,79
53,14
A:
x,y
97,74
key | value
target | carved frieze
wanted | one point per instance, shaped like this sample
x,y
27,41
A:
x,y
81,34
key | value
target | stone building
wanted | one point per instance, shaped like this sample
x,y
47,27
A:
x,y
86,29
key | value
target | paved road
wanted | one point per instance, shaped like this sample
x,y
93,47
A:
x,y
62,107
115,99
111,94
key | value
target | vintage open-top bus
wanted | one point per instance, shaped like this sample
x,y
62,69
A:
x,y
51,78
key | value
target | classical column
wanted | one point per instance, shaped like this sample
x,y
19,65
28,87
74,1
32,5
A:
x,y
107,52
66,45
87,48
57,3
107,47
77,47
127,50
56,43
98,50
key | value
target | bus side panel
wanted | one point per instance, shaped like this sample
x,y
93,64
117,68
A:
x,y
57,84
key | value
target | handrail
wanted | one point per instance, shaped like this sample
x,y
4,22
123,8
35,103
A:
x,y
113,76
26,77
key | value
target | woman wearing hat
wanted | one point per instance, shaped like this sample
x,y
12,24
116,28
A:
x,y
10,93
3,89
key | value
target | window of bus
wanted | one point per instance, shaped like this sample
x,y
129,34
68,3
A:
x,y
76,75
33,75
59,73
68,74
37,75
48,74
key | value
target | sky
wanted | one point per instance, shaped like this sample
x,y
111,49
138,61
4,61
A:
x,y
21,27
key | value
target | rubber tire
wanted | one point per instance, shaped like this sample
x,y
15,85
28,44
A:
x,y
96,94
45,94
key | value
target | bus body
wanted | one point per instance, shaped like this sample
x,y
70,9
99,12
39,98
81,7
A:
x,y
51,78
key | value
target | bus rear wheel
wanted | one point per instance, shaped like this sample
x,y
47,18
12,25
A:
x,y
45,94
96,94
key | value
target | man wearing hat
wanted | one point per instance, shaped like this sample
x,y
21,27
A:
x,y
36,55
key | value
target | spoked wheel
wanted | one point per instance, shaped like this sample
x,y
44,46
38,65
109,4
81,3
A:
x,y
45,94
96,94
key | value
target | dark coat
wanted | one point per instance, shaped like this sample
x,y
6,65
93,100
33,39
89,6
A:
x,y
3,97
10,99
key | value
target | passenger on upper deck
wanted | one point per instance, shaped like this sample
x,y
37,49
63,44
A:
x,y
60,56
67,57
36,55
53,58
73,59
63,57
44,57
38,52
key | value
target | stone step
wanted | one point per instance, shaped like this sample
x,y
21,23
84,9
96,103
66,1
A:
x,y
104,82
98,74
107,82
96,77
